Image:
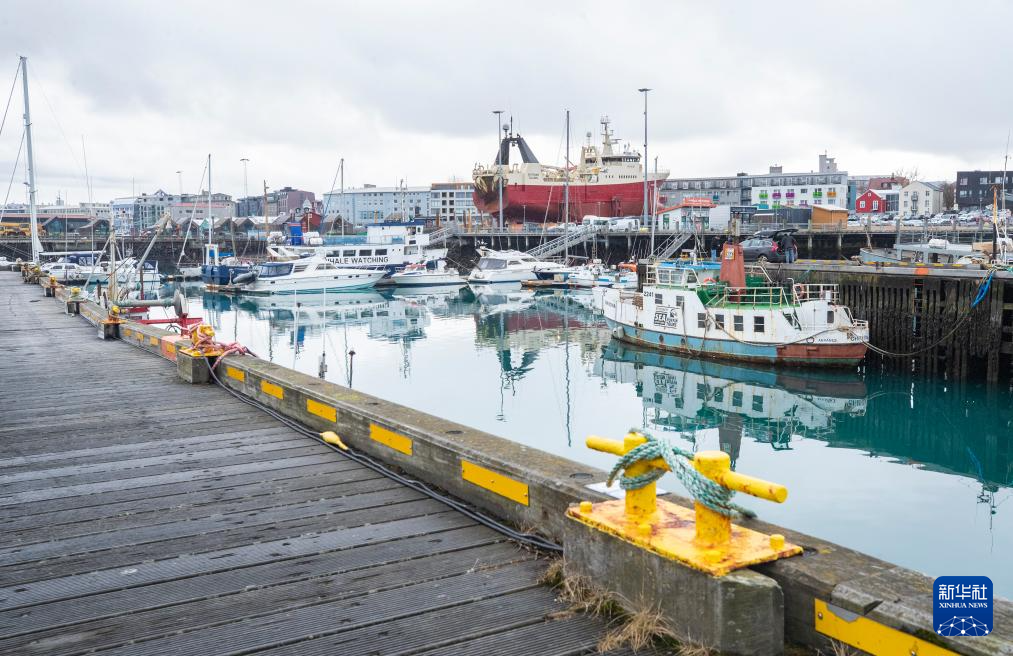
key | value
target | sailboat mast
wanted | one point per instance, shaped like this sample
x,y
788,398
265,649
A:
x,y
32,213
342,196
566,193
211,221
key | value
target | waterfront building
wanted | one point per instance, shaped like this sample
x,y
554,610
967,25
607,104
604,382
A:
x,y
870,202
132,214
975,188
921,198
827,186
372,204
90,210
452,201
280,201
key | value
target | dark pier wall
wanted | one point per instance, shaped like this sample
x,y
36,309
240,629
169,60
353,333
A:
x,y
930,318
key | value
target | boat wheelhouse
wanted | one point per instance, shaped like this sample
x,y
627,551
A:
x,y
713,310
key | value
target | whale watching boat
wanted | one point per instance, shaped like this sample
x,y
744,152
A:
x,y
713,310
309,274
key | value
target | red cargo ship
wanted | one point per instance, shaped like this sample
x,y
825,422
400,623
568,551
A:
x,y
602,183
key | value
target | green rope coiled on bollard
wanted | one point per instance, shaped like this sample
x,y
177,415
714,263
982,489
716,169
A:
x,y
680,461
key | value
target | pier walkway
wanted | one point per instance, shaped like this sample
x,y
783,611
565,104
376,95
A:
x,y
142,515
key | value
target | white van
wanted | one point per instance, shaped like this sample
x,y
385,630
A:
x,y
596,221
624,224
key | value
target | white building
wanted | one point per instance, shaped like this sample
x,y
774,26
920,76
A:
x,y
920,199
452,201
135,213
372,204
195,208
83,210
828,186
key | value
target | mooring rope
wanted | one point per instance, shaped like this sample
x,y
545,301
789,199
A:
x,y
710,494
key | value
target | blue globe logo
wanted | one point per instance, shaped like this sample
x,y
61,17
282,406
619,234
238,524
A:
x,y
962,626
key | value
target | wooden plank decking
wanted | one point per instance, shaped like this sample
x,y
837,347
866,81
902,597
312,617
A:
x,y
142,515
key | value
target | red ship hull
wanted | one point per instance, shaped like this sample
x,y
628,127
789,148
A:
x,y
538,203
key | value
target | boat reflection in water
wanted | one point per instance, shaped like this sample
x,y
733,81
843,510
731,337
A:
x,y
766,405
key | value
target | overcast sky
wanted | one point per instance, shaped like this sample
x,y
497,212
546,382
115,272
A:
x,y
404,90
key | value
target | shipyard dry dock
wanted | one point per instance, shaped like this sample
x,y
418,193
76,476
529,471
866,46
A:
x,y
143,515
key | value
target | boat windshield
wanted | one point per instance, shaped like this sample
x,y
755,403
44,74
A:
x,y
491,263
274,269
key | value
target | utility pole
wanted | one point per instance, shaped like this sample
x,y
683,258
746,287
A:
x,y
644,91
32,213
499,161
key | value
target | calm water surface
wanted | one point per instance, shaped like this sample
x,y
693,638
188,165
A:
x,y
915,472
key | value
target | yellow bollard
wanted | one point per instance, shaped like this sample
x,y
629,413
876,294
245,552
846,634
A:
x,y
702,538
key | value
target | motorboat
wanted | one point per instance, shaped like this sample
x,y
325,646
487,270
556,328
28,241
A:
x,y
502,266
933,251
309,274
712,309
421,275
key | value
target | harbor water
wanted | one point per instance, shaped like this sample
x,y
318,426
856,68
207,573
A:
x,y
915,471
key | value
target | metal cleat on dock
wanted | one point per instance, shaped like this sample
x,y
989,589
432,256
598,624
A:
x,y
704,538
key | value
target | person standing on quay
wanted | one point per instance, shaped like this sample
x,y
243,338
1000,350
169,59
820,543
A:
x,y
789,247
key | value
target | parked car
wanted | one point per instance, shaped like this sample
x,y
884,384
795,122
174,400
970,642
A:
x,y
765,246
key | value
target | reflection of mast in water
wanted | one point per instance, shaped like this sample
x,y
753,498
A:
x,y
730,436
988,490
566,340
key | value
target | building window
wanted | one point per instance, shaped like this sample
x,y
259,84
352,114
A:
x,y
757,324
658,299
963,182
861,204
875,204
737,322
983,180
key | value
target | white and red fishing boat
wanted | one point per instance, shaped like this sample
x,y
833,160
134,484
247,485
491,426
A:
x,y
603,182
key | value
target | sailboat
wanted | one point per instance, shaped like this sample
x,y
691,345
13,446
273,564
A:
x,y
37,248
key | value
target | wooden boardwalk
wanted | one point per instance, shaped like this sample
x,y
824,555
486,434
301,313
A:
x,y
142,515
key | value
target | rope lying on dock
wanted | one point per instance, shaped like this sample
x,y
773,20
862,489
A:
x,y
680,461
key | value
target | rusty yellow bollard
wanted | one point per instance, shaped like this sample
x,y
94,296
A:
x,y
703,538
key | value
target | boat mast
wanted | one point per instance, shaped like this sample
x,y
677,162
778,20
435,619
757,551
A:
x,y
32,213
342,196
566,194
211,221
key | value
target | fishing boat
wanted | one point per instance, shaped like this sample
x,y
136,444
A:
x,y
712,310
310,274
606,182
502,266
421,275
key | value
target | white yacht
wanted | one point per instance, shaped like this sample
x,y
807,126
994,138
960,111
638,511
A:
x,y
386,246
64,271
420,275
502,266
310,274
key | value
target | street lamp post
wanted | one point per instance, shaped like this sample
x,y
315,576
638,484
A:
x,y
499,161
644,91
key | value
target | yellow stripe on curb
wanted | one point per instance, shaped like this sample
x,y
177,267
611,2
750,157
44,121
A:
x,y
153,341
390,439
128,332
870,636
495,482
238,374
321,410
272,390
